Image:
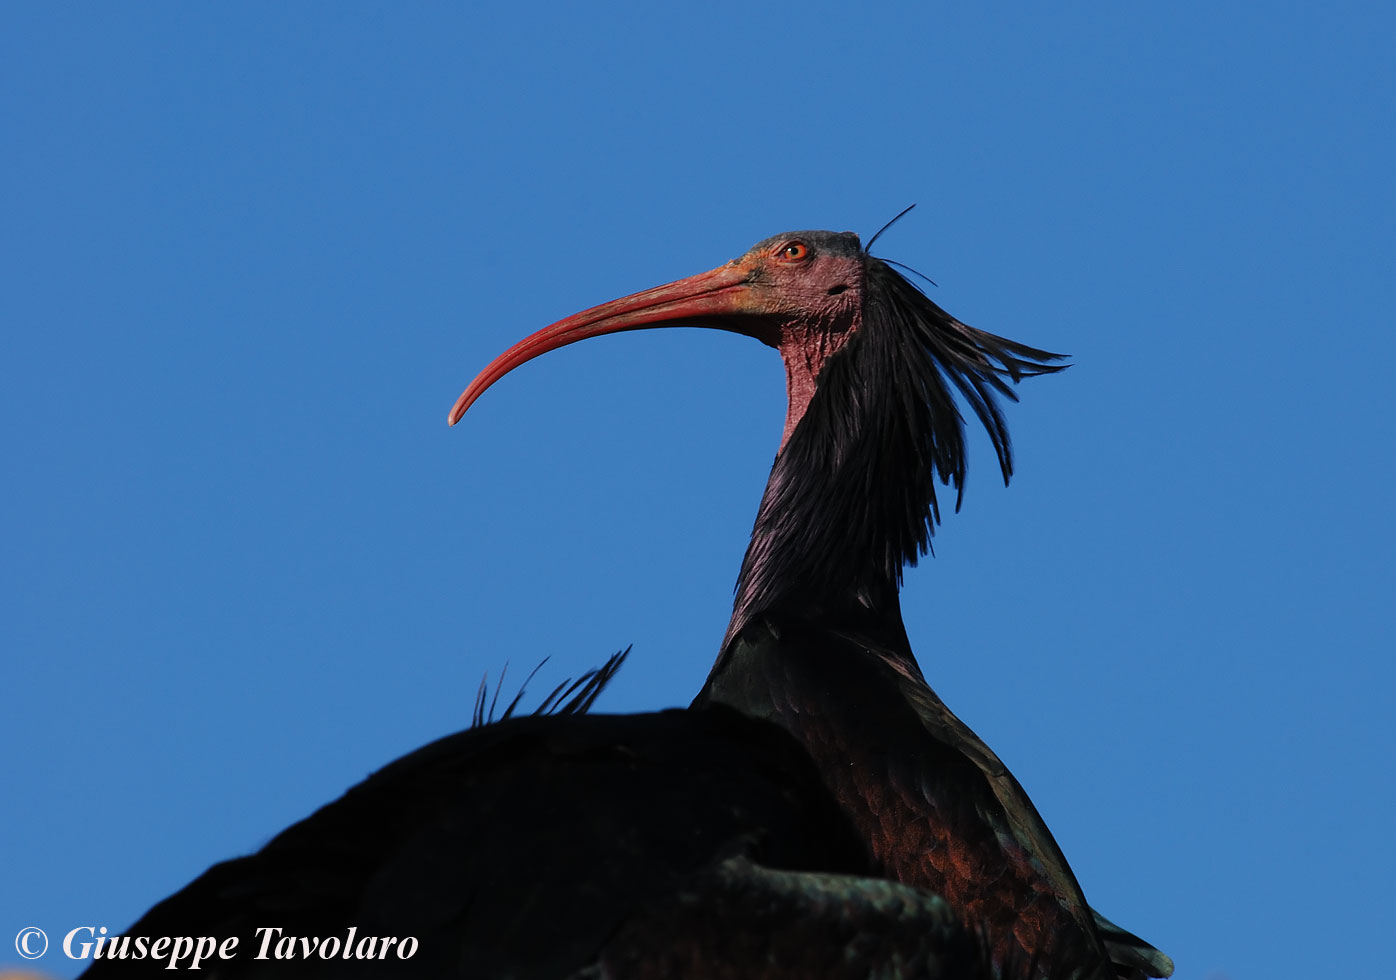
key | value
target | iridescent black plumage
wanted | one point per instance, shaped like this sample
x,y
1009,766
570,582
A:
x,y
645,846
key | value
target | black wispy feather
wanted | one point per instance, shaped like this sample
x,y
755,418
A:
x,y
571,697
852,498
900,265
914,272
878,234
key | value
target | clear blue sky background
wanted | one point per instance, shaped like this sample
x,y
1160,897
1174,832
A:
x,y
253,252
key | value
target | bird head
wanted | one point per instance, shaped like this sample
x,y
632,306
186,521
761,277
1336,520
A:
x,y
800,292
873,370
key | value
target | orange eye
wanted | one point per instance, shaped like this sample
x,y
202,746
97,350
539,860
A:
x,y
794,251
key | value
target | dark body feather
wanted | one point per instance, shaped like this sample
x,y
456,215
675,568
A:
x,y
817,645
680,843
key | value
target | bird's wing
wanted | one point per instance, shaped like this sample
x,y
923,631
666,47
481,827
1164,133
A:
x,y
740,919
518,849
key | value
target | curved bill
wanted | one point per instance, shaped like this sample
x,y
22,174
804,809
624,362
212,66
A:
x,y
722,299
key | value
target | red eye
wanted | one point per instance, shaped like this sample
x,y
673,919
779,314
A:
x,y
794,251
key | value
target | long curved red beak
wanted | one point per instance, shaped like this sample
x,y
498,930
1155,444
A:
x,y
722,299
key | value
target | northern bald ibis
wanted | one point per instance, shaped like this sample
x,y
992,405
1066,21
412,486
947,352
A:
x,y
803,819
816,642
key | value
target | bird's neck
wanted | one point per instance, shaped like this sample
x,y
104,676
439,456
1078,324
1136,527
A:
x,y
841,514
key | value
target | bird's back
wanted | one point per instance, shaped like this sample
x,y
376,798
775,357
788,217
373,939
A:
x,y
559,846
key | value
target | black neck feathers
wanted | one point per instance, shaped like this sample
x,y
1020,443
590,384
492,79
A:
x,y
852,496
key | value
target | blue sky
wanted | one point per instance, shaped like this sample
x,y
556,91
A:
x,y
254,252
